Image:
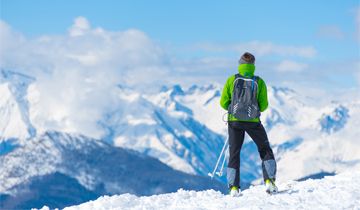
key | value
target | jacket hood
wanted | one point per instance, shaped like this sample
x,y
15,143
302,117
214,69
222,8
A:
x,y
246,70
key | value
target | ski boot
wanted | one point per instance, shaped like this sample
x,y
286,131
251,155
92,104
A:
x,y
270,186
234,191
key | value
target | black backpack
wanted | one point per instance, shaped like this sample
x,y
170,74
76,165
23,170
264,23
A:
x,y
244,104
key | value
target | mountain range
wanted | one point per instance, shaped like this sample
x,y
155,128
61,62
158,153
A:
x,y
156,142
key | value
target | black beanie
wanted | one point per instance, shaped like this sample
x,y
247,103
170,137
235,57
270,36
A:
x,y
247,58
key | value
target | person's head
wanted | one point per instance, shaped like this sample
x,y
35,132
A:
x,y
247,65
247,58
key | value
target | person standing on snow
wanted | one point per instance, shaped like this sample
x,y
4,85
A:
x,y
245,96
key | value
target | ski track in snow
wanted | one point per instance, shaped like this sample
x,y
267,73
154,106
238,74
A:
x,y
333,192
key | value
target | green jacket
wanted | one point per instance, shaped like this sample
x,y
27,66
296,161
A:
x,y
245,70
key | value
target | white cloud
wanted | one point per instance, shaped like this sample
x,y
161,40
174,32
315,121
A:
x,y
290,66
77,74
88,59
9,40
80,27
262,48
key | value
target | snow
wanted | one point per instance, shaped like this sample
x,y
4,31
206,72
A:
x,y
14,121
11,122
184,128
94,166
333,192
160,126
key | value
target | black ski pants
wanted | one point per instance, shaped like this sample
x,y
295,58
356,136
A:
x,y
236,138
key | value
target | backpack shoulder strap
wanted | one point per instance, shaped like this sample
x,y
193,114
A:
x,y
237,76
254,79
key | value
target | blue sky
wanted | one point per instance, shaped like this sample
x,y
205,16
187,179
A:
x,y
199,29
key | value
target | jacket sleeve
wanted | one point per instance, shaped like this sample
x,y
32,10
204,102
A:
x,y
262,97
225,99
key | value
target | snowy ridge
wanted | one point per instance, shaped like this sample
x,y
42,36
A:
x,y
35,173
315,138
92,163
162,127
41,156
183,128
334,192
14,107
308,135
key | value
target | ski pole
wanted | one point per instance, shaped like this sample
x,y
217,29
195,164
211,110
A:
x,y
223,163
218,161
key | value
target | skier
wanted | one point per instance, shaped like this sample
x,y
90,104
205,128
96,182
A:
x,y
245,96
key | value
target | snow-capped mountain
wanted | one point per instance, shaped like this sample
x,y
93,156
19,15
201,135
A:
x,y
185,128
14,108
308,137
31,161
15,125
333,192
162,127
91,166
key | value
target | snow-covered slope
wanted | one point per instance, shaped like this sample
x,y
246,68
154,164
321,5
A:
x,y
14,121
335,192
308,135
171,135
95,166
160,126
184,128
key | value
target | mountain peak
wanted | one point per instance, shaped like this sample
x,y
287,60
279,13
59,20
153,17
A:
x,y
176,90
203,88
15,77
95,165
16,105
334,121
